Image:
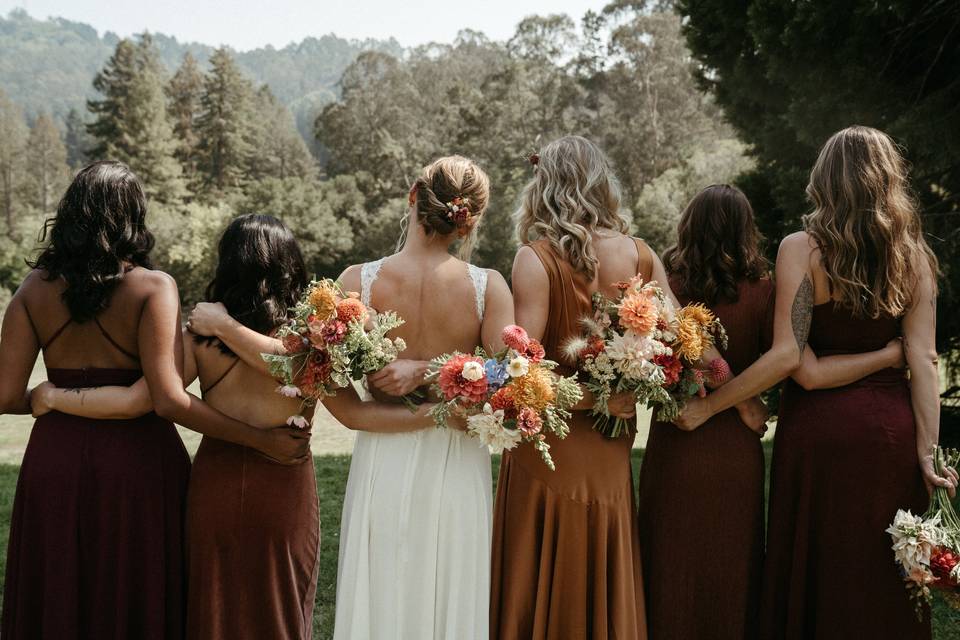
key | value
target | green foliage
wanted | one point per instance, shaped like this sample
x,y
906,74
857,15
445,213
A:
x,y
663,199
791,74
187,237
13,139
46,157
76,139
623,78
131,122
184,92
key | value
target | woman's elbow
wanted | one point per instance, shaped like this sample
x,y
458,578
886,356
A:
x,y
787,362
170,406
804,378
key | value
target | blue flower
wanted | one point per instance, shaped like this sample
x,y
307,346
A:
x,y
496,373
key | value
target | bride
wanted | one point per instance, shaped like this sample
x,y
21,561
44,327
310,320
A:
x,y
416,529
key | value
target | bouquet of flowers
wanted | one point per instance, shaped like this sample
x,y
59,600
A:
x,y
927,547
640,343
331,340
509,397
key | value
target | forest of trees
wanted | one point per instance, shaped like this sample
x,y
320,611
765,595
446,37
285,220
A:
x,y
210,143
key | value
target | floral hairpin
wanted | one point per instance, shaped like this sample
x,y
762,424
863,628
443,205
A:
x,y
458,210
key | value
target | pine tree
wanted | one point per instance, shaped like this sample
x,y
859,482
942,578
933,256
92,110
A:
x,y
131,122
13,139
76,139
47,158
184,92
281,151
225,124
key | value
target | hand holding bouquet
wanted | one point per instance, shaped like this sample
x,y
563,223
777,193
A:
x,y
927,547
508,397
641,344
332,339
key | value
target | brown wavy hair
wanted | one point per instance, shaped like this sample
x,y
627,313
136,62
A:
x,y
866,224
441,182
718,246
573,193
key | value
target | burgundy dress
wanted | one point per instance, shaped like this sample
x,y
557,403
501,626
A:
x,y
701,503
844,461
96,537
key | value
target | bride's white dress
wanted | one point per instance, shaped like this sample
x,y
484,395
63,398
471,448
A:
x,y
416,529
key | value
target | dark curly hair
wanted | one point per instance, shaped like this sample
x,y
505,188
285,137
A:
x,y
718,246
260,273
97,235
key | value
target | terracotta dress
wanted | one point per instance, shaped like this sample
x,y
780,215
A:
x,y
844,461
253,538
701,503
96,537
566,551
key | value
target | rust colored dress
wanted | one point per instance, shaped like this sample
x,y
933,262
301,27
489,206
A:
x,y
566,551
701,502
253,538
844,461
96,536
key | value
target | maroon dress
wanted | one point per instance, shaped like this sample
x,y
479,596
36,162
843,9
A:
x,y
701,503
844,461
96,537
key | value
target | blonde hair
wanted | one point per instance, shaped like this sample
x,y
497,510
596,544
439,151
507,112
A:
x,y
866,224
442,182
573,193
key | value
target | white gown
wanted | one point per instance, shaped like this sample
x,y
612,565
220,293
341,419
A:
x,y
416,530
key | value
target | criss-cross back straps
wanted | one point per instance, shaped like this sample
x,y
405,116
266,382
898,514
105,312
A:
x,y
223,375
368,275
103,331
479,278
56,334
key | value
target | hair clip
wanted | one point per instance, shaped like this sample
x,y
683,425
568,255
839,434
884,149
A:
x,y
534,159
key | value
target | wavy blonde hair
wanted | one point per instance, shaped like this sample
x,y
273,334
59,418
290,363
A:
x,y
866,224
573,194
440,182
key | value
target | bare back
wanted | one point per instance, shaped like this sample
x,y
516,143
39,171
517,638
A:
x,y
237,390
440,302
621,258
108,341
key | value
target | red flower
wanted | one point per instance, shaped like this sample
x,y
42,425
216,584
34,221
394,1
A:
x,y
294,343
535,352
595,346
454,385
672,368
503,400
516,338
351,309
333,331
942,563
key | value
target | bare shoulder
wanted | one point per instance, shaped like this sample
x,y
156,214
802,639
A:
x,y
144,282
496,283
527,263
350,278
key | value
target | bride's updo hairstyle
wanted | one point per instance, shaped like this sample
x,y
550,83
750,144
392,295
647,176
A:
x,y
573,194
449,197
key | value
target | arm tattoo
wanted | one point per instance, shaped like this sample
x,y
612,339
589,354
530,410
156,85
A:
x,y
801,313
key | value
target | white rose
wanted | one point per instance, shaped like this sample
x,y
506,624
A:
x,y
473,371
518,367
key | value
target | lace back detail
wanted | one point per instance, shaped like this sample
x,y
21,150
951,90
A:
x,y
479,278
368,275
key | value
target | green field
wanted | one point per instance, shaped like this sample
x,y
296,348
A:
x,y
331,483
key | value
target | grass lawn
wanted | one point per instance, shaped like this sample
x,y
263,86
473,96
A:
x,y
331,483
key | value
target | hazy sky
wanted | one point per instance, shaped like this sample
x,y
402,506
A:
x,y
247,24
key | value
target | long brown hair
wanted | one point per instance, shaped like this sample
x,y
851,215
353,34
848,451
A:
x,y
718,246
573,193
866,224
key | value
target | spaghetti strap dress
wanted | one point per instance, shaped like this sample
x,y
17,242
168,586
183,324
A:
x,y
566,546
253,539
844,461
96,536
701,502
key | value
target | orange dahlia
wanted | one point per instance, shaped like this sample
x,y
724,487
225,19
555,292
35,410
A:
x,y
454,385
324,299
534,390
351,309
638,313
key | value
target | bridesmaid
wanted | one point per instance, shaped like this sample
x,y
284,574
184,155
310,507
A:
x,y
253,529
95,547
701,493
847,457
566,557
